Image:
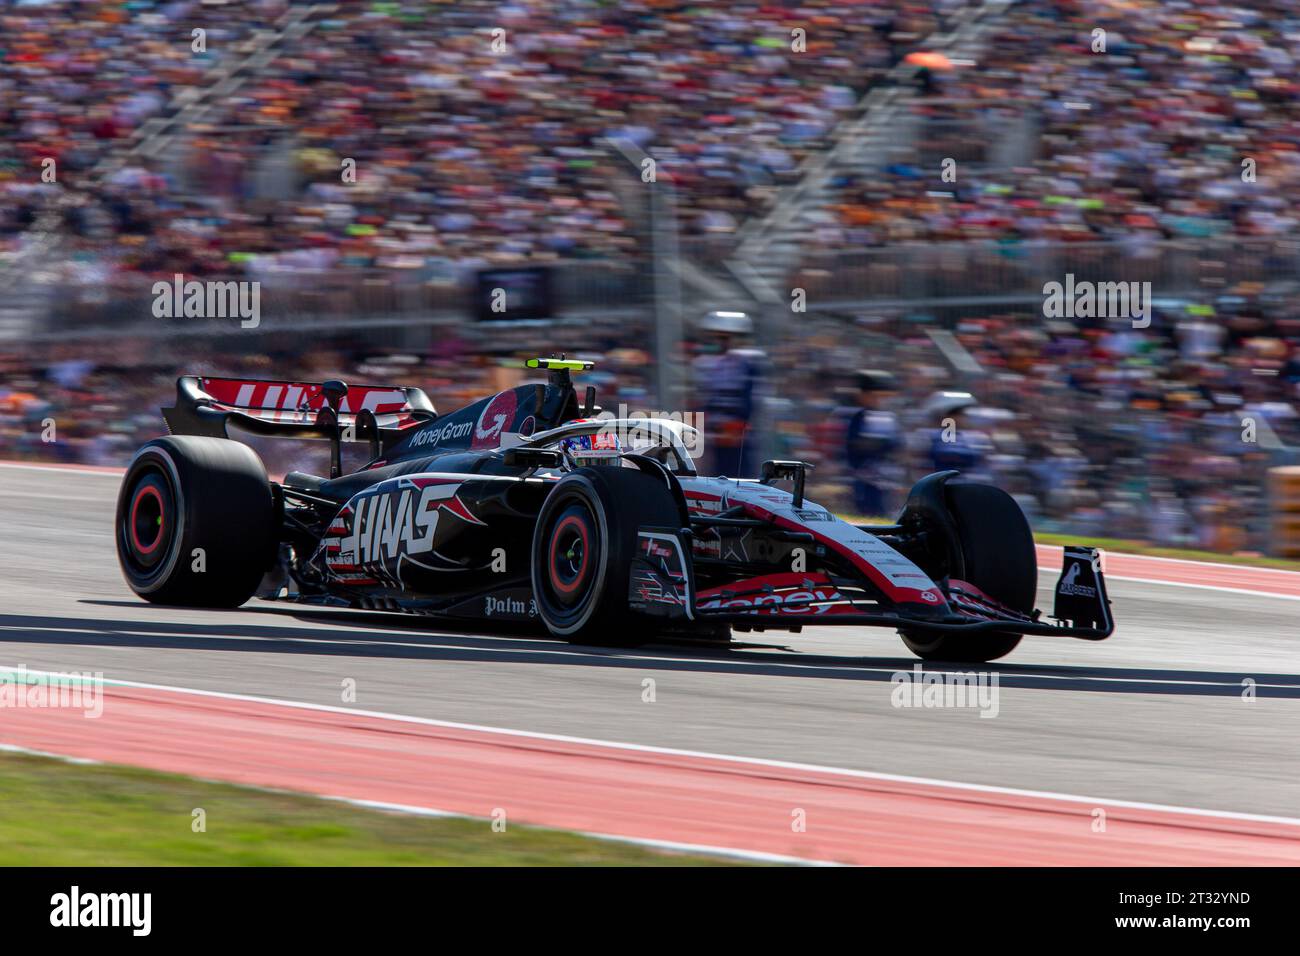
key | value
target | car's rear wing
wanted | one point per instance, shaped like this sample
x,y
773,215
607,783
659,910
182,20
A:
x,y
378,413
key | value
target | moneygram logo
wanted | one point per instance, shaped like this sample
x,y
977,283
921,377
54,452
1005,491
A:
x,y
499,413
434,435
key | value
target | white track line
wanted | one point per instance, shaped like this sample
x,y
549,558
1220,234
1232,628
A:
x,y
49,497
1271,595
1051,574
634,658
1201,564
672,846
726,758
64,469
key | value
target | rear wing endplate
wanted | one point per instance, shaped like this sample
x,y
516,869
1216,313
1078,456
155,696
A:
x,y
212,406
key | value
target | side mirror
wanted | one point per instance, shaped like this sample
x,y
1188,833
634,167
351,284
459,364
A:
x,y
533,457
774,470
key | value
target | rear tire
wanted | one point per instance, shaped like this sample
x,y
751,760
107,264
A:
x,y
997,548
195,522
583,545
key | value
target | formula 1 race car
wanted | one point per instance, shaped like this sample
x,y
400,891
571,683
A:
x,y
528,506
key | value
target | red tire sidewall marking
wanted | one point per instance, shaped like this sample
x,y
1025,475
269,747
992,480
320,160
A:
x,y
140,493
556,583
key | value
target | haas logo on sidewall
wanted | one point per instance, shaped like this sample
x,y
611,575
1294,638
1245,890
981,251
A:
x,y
498,414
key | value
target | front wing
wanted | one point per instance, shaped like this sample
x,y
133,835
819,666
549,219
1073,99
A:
x,y
662,585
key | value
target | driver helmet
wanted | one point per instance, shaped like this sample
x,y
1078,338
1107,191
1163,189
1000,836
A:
x,y
602,448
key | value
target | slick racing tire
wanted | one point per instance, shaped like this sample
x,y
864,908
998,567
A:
x,y
195,523
583,545
997,548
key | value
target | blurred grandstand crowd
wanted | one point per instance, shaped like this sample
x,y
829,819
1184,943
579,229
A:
x,y
1160,434
1145,141
467,156
463,153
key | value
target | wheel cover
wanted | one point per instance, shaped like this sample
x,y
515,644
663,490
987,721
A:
x,y
148,523
147,520
570,554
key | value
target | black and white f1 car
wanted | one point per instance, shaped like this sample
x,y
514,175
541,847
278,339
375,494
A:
x,y
529,506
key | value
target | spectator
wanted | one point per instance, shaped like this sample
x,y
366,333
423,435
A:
x,y
727,376
871,440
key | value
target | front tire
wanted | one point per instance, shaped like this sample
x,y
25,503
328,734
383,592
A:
x,y
195,523
997,548
583,545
